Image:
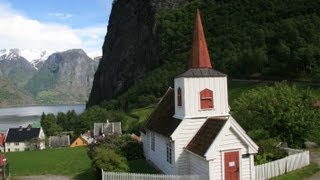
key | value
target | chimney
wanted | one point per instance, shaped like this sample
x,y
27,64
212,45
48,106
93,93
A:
x,y
29,127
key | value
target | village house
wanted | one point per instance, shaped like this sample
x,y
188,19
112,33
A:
x,y
83,140
23,139
2,138
59,141
191,130
106,128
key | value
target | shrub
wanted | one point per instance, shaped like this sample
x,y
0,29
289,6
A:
x,y
268,151
108,160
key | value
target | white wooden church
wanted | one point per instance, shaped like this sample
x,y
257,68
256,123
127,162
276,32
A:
x,y
191,130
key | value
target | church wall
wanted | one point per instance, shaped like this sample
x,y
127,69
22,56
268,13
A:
x,y
220,96
158,156
186,131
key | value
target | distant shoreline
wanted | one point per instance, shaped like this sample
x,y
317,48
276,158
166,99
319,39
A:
x,y
38,105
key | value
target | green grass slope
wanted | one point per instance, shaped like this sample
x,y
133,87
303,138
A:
x,y
72,162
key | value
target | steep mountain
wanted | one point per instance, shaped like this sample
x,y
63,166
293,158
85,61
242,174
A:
x,y
15,67
131,47
148,43
11,95
35,56
65,77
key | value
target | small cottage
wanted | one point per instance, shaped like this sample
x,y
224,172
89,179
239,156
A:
x,y
23,139
191,131
107,128
59,141
83,140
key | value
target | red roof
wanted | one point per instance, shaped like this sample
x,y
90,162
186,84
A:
x,y
2,137
200,55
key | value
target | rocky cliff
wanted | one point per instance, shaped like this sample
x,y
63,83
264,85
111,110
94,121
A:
x,y
131,48
65,77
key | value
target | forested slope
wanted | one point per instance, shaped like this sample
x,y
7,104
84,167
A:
x,y
278,39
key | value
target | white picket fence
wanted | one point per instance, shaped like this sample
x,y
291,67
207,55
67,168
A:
x,y
135,176
262,172
282,166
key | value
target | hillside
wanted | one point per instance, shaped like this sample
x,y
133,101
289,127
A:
x,y
262,39
16,68
11,95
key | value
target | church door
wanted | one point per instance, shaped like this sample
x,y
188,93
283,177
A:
x,y
231,165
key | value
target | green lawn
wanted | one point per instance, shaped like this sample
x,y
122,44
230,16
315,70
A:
x,y
300,173
72,162
142,113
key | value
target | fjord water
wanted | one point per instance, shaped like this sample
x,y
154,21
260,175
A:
x,y
22,116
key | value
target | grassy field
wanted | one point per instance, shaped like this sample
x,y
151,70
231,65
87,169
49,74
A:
x,y
72,162
300,173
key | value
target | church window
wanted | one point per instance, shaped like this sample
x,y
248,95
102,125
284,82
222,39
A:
x,y
152,141
179,97
169,153
206,99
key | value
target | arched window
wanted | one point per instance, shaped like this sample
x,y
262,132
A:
x,y
179,97
206,99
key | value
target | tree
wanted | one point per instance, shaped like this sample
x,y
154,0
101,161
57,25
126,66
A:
x,y
108,160
49,124
284,112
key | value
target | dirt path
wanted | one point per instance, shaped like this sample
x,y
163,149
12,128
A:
x,y
315,157
42,177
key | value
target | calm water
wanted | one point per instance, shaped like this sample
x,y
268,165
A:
x,y
22,116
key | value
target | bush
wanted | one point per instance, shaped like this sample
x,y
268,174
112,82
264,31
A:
x,y
108,160
283,112
133,150
268,151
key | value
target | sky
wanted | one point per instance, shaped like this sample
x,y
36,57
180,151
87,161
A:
x,y
54,24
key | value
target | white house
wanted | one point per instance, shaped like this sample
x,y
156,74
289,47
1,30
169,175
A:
x,y
22,139
191,130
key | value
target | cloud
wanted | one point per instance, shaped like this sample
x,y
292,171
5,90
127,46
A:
x,y
19,31
61,15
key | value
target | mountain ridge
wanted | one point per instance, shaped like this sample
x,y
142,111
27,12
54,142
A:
x,y
64,77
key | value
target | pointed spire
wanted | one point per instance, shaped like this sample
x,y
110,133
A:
x,y
199,56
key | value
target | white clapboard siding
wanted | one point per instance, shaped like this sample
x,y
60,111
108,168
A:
x,y
198,165
159,155
135,176
191,88
282,166
187,129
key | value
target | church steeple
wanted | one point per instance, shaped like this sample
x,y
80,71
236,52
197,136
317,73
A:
x,y
199,56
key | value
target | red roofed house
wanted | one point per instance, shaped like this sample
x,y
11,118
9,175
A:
x,y
191,130
2,138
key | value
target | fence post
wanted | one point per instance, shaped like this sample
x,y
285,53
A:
x,y
102,174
